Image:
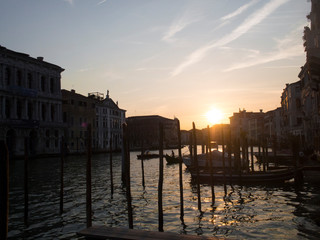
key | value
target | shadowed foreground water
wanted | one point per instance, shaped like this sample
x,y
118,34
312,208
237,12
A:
x,y
264,212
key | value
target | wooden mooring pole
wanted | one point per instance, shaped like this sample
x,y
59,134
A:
x,y
213,197
4,190
61,174
196,164
160,185
180,172
111,167
26,188
88,180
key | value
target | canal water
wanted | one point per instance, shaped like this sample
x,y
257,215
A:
x,y
240,212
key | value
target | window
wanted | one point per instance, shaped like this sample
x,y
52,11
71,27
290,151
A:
x,y
30,110
52,113
29,80
19,109
7,76
43,82
19,78
7,108
51,85
44,112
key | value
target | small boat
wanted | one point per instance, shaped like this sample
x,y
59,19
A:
x,y
271,176
172,159
147,155
217,160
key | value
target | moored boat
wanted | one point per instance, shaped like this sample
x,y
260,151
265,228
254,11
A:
x,y
257,177
216,157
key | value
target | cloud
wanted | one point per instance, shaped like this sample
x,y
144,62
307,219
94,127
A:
x,y
248,23
179,24
288,47
101,2
238,11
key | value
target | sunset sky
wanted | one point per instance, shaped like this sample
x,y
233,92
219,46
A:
x,y
174,58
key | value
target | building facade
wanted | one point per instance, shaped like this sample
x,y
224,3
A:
x,y
291,106
249,124
144,132
104,116
31,104
78,112
109,120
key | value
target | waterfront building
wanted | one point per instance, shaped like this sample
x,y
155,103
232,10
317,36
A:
x,y
30,100
272,125
144,132
310,79
109,119
105,117
292,110
78,112
249,124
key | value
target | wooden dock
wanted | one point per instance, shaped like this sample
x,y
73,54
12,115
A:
x,y
103,232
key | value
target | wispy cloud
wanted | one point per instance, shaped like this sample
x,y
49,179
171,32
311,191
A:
x,y
250,22
101,2
179,24
286,48
239,10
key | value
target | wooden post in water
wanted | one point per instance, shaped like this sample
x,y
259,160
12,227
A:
x,y
213,197
61,173
246,143
126,161
180,171
111,166
142,166
160,185
252,157
196,164
88,179
26,188
223,158
4,190
230,150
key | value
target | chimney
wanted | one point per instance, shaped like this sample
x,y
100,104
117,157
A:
x,y
40,58
73,91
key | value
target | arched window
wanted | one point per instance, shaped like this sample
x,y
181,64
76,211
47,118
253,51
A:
x,y
52,112
30,110
43,83
52,85
29,80
19,109
44,112
19,77
7,108
7,76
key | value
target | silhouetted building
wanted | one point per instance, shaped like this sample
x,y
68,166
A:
x,y
310,79
78,112
272,125
30,100
249,124
144,132
109,120
292,110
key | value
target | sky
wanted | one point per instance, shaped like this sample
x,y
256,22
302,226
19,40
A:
x,y
178,58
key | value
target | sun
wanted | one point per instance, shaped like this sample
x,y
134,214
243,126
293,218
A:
x,y
214,116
